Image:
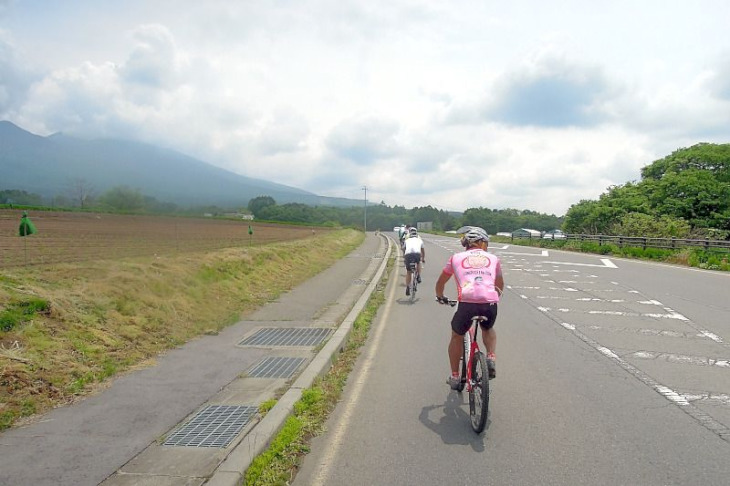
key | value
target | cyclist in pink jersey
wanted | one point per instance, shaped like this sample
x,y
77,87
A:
x,y
479,285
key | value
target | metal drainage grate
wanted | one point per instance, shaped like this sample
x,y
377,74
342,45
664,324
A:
x,y
214,426
276,367
296,336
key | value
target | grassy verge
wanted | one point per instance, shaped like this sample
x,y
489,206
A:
x,y
279,463
65,329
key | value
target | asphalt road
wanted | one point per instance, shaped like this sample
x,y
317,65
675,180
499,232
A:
x,y
610,371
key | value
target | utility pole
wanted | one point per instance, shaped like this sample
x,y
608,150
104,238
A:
x,y
365,188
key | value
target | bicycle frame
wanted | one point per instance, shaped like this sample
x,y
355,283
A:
x,y
413,270
471,346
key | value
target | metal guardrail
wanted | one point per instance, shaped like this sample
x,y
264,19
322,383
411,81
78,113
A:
x,y
643,242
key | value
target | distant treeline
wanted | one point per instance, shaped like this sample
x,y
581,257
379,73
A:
x,y
384,217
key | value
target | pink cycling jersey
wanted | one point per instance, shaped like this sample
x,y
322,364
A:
x,y
474,271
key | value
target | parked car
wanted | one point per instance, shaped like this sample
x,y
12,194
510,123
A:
x,y
555,234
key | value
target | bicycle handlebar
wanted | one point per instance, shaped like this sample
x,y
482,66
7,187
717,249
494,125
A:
x,y
446,300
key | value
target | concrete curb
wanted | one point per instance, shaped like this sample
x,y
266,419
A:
x,y
231,471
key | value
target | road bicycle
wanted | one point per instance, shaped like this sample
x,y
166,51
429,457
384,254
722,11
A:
x,y
413,269
474,374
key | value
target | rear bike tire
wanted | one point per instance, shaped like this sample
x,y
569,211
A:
x,y
464,361
479,392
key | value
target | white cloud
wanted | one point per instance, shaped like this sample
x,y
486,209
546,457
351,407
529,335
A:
x,y
555,94
364,140
154,62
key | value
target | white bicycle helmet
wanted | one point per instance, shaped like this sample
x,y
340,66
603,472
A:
x,y
471,235
413,232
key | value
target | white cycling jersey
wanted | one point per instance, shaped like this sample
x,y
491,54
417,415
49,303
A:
x,y
414,244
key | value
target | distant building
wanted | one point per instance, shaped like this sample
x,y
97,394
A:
x,y
424,226
526,233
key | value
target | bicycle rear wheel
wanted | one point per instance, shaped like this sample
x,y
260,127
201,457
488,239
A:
x,y
479,392
464,361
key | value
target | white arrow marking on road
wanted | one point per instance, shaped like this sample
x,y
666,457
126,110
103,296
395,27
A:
x,y
606,263
544,253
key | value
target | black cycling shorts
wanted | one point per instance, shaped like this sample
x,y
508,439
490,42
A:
x,y
462,317
412,258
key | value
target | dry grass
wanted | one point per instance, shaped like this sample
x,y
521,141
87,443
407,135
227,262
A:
x,y
108,316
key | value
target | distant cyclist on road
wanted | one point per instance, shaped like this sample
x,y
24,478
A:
x,y
403,235
479,285
413,252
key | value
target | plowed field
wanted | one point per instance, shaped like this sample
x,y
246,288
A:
x,y
72,237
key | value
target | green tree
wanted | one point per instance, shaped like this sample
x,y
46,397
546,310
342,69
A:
x,y
709,157
694,195
640,224
15,196
691,185
257,204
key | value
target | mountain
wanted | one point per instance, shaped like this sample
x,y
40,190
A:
x,y
48,165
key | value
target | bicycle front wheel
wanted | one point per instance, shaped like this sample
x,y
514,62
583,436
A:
x,y
479,392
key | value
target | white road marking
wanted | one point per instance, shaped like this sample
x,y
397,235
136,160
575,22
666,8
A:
x,y
682,359
608,263
605,263
712,336
718,398
544,253
653,332
678,399
673,315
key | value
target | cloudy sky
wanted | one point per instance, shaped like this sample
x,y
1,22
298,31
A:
x,y
526,104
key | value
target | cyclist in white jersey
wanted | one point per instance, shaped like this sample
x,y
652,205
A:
x,y
413,252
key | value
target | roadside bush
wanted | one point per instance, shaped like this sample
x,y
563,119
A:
x,y
16,313
647,253
592,247
709,260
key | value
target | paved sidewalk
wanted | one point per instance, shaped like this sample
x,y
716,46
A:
x,y
191,418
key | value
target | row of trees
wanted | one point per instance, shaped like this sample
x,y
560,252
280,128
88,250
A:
x,y
117,199
385,217
686,194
